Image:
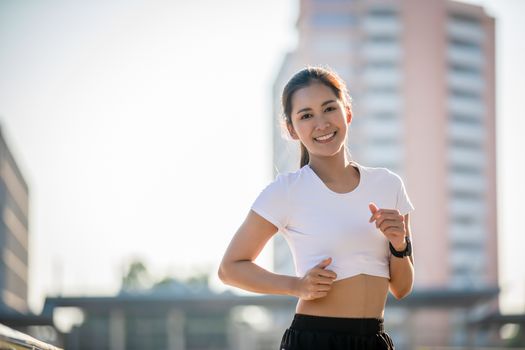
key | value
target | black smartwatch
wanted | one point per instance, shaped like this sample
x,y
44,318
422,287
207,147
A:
x,y
406,252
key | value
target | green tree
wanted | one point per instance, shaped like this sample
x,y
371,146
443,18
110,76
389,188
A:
x,y
136,277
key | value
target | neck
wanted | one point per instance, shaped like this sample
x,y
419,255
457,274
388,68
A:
x,y
331,169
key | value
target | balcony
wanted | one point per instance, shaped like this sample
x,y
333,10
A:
x,y
473,133
465,31
382,26
465,56
467,182
468,207
466,81
465,106
382,52
466,234
377,103
382,77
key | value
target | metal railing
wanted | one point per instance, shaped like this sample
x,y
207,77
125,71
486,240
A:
x,y
466,348
15,340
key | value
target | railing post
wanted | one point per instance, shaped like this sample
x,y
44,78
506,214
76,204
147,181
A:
x,y
117,330
175,330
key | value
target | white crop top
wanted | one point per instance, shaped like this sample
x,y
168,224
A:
x,y
318,223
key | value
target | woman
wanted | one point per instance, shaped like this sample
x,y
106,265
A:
x,y
347,226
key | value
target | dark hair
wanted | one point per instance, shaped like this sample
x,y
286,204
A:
x,y
304,78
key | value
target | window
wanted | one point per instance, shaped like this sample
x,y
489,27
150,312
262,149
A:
x,y
466,119
385,116
382,12
382,39
384,142
462,18
460,93
468,144
463,219
465,46
466,194
463,69
329,19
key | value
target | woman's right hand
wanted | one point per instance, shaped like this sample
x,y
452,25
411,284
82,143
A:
x,y
317,282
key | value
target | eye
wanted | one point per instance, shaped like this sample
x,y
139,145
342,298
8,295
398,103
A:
x,y
306,115
330,108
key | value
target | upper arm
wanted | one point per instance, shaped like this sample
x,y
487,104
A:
x,y
250,238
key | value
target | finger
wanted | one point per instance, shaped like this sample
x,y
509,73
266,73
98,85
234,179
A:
x,y
322,288
391,214
324,263
373,209
324,280
326,273
377,215
387,222
386,216
374,216
386,228
394,231
390,211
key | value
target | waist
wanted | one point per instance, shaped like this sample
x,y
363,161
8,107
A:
x,y
347,325
361,296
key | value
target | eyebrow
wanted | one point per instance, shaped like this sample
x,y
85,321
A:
x,y
309,109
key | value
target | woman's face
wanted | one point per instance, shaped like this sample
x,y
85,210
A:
x,y
319,120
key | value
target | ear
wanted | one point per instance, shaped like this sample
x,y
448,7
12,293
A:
x,y
348,115
291,130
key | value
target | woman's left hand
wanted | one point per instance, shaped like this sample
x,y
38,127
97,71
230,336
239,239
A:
x,y
391,223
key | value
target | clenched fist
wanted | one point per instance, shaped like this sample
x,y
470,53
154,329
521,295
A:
x,y
392,225
317,282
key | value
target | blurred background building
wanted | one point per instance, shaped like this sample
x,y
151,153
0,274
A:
x,y
422,78
14,199
14,252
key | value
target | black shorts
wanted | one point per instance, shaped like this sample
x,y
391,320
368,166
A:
x,y
308,332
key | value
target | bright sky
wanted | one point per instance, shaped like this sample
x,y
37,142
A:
x,y
143,130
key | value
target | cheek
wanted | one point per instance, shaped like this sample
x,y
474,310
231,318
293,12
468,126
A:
x,y
300,130
303,135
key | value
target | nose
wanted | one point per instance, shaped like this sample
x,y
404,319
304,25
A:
x,y
322,123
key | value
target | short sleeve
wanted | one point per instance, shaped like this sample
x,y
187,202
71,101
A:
x,y
403,203
272,202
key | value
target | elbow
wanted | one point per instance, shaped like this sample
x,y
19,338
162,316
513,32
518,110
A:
x,y
400,294
221,272
226,272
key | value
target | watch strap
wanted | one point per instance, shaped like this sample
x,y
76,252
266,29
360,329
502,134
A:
x,y
401,254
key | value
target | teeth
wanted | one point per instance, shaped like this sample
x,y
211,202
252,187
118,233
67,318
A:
x,y
325,137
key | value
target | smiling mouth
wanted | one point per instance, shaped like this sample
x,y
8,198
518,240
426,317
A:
x,y
325,138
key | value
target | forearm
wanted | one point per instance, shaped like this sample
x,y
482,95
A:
x,y
401,276
249,276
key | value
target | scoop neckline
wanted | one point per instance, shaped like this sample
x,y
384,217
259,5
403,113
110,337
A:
x,y
342,194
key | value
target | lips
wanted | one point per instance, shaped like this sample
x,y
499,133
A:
x,y
326,138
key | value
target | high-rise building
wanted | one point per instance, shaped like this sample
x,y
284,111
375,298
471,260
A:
x,y
422,79
13,234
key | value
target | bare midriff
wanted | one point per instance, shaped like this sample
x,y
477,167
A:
x,y
361,296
